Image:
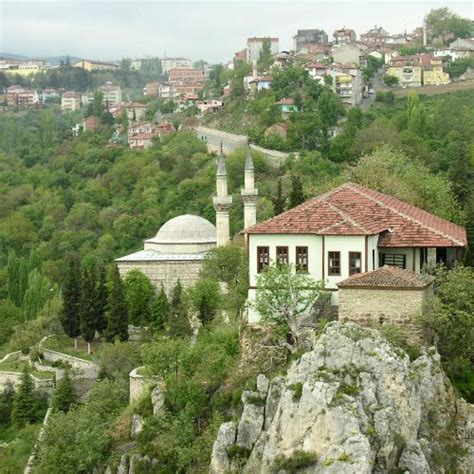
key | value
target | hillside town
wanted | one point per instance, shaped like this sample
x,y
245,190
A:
x,y
259,264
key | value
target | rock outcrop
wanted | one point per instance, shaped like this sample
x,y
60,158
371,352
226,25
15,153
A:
x,y
353,404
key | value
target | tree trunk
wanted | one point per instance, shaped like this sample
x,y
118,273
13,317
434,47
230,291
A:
x,y
89,348
75,343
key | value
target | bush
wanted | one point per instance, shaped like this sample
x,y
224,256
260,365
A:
x,y
297,391
297,460
390,81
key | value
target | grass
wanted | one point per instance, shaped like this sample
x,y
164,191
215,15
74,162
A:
x,y
298,460
66,345
14,456
16,365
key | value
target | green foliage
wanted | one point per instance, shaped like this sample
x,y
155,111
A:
x,y
284,294
296,196
443,20
139,294
64,395
27,405
390,81
450,317
161,310
179,325
459,67
206,299
118,359
6,404
279,200
294,462
87,306
416,114
70,316
297,391
265,58
117,314
78,440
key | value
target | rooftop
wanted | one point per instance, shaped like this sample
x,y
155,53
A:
x,y
351,209
388,278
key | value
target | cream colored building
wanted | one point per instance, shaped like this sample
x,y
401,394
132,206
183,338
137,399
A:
x,y
348,231
408,75
433,73
90,65
71,101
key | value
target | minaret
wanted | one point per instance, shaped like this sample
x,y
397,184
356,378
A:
x,y
249,193
222,202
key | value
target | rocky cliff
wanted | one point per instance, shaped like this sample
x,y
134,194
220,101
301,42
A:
x,y
353,404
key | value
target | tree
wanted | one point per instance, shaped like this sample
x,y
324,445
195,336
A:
x,y
296,196
390,81
38,293
138,293
179,325
64,395
69,315
87,307
279,200
283,295
450,317
100,301
17,278
461,170
26,403
206,298
117,315
160,310
265,58
416,114
6,403
443,20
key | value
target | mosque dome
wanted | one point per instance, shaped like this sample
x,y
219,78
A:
x,y
184,234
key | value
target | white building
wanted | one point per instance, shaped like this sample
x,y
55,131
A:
x,y
174,63
112,94
71,101
347,231
255,45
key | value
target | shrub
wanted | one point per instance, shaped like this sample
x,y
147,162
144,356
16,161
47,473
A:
x,y
297,391
298,460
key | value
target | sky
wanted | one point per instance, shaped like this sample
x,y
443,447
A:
x,y
211,30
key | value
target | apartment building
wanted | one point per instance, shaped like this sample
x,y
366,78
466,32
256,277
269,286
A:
x,y
174,63
90,65
112,94
344,35
71,101
186,75
255,45
307,38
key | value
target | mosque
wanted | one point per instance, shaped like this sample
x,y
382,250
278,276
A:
x,y
178,249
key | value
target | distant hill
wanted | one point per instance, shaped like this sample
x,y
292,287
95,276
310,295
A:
x,y
13,56
54,60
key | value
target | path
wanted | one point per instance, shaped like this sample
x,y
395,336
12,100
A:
x,y
231,141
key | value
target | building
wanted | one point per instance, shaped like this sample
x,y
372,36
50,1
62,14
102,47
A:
x,y
71,101
418,70
111,94
152,89
286,106
346,83
317,71
136,112
307,38
257,84
174,63
181,244
345,53
376,36
141,135
49,95
240,55
26,99
136,64
12,93
387,295
27,68
433,73
344,36
462,44
210,105
347,231
90,65
89,124
186,75
255,45
186,89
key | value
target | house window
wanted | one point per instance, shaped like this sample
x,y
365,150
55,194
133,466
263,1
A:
x,y
355,263
263,258
394,260
334,263
302,259
282,255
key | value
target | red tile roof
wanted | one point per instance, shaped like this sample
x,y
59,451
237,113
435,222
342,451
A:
x,y
388,278
351,209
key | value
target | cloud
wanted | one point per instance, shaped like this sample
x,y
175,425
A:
x,y
212,30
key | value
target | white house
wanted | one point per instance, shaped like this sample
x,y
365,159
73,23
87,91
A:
x,y
347,231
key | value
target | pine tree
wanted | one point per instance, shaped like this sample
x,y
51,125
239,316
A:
x,y
69,315
179,325
26,401
117,316
296,195
101,302
279,200
64,395
17,279
87,307
161,310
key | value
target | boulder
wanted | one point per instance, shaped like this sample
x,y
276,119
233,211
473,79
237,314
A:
x,y
355,403
123,465
136,425
220,461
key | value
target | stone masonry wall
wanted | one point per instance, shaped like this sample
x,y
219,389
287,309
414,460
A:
x,y
85,368
139,384
166,273
368,305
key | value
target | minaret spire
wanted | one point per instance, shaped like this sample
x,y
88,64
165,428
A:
x,y
249,193
222,202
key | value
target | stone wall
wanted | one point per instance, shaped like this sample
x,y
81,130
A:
x,y
84,368
45,386
165,273
140,384
389,306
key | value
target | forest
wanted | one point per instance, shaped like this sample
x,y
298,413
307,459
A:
x,y
71,205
